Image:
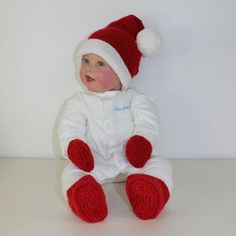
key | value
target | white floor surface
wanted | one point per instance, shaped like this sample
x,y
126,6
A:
x,y
203,202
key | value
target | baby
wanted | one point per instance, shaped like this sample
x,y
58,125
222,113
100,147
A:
x,y
108,132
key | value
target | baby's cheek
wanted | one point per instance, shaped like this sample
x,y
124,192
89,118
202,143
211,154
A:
x,y
113,77
108,79
106,82
81,73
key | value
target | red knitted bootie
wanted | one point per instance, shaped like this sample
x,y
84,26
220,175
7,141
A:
x,y
87,199
147,195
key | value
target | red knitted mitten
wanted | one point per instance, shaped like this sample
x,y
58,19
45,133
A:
x,y
138,151
147,195
87,200
79,153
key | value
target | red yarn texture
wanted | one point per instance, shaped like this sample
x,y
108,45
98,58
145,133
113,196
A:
x,y
138,151
147,195
79,153
87,200
121,35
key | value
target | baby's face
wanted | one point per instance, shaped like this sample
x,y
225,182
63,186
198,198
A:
x,y
97,75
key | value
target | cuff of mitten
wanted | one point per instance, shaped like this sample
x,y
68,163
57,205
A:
x,y
65,145
151,137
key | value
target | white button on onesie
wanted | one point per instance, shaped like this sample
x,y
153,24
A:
x,y
105,121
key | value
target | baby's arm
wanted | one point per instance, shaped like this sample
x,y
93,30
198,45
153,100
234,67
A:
x,y
71,133
139,146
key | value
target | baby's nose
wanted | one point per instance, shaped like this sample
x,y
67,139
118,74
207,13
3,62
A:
x,y
89,68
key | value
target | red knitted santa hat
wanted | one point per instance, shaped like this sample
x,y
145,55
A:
x,y
121,44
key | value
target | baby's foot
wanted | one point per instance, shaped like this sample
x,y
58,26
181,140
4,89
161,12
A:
x,y
87,199
147,195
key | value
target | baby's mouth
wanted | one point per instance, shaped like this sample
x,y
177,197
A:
x,y
89,78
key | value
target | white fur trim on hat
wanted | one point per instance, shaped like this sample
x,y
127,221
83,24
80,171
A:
x,y
110,55
148,42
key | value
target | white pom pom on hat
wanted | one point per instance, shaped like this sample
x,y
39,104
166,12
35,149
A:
x,y
148,42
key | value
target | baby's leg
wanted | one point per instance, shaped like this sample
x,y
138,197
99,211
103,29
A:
x,y
148,189
84,194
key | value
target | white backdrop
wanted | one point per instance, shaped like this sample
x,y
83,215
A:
x,y
192,79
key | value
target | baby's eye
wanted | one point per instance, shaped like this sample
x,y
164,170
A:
x,y
101,63
85,60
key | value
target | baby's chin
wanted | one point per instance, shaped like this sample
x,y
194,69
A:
x,y
93,88
96,90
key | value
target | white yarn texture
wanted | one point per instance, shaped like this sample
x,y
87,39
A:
x,y
148,42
